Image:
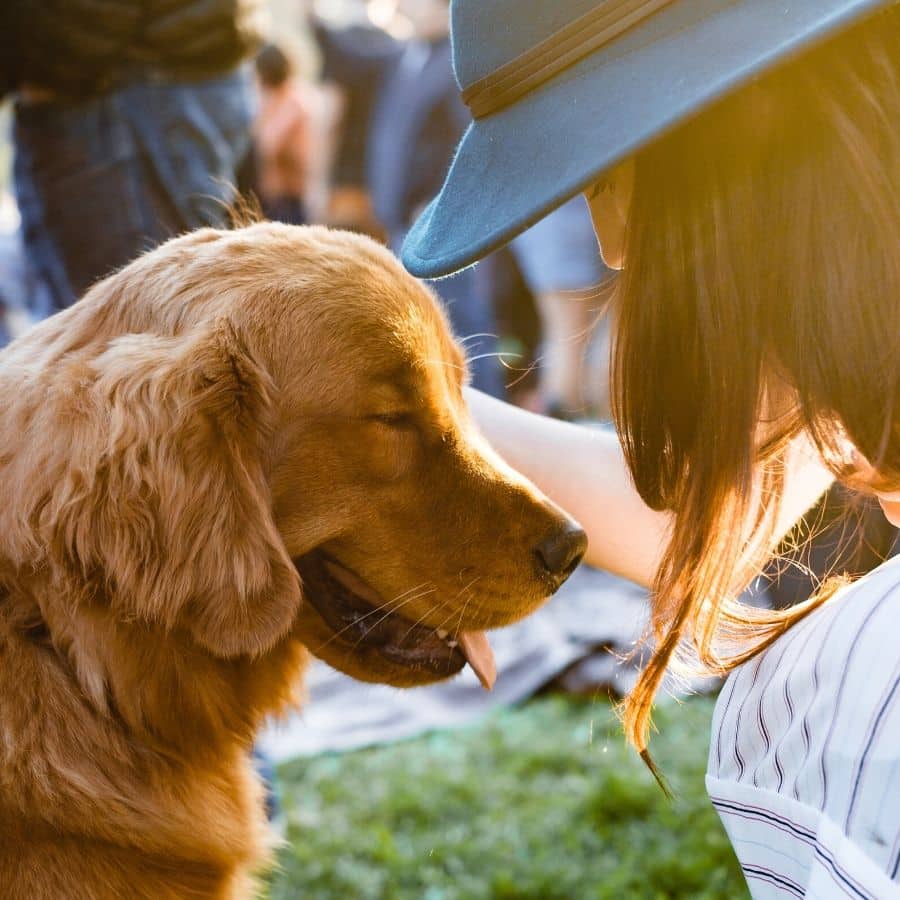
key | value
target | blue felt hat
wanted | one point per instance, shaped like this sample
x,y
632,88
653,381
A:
x,y
561,90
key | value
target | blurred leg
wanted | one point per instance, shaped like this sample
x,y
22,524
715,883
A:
x,y
560,261
598,362
566,320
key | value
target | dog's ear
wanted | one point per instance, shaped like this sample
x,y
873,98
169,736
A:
x,y
166,495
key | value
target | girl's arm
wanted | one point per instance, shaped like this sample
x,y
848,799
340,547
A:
x,y
583,470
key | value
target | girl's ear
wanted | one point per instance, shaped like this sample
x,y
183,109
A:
x,y
165,492
609,202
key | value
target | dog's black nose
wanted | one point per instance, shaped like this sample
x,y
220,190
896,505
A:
x,y
559,553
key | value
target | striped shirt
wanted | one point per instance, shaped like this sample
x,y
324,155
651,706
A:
x,y
804,764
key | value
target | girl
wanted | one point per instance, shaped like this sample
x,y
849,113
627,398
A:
x,y
742,166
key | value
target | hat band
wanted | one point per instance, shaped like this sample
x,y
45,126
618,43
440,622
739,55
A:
x,y
552,56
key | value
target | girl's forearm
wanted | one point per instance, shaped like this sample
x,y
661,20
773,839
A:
x,y
583,470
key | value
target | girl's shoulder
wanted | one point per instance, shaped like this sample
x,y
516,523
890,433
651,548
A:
x,y
863,614
821,688
806,744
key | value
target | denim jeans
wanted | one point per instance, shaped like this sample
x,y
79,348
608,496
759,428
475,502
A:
x,y
101,180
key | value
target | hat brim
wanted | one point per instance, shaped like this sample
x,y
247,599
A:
x,y
512,168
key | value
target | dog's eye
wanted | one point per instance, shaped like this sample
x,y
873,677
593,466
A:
x,y
393,419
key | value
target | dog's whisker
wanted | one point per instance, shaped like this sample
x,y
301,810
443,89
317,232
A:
x,y
394,609
459,622
525,373
440,605
379,609
390,603
446,621
453,613
462,612
354,624
471,337
384,605
446,363
400,596
476,608
498,354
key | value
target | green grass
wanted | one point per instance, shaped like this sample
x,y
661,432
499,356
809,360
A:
x,y
540,802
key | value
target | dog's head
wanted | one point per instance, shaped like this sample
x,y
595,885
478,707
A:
x,y
267,437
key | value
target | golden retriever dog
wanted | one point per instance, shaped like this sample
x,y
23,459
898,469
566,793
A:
x,y
240,449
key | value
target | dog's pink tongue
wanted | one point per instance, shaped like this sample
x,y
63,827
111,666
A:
x,y
475,646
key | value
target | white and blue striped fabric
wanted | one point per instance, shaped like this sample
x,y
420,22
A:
x,y
804,764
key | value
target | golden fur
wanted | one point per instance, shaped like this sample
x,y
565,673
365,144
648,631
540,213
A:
x,y
173,450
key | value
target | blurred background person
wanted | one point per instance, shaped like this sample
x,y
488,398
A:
x,y
355,53
387,119
561,265
131,121
417,121
283,137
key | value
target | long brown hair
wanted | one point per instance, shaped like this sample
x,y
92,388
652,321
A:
x,y
761,284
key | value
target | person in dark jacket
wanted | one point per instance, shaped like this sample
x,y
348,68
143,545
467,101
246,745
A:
x,y
355,59
132,119
417,120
